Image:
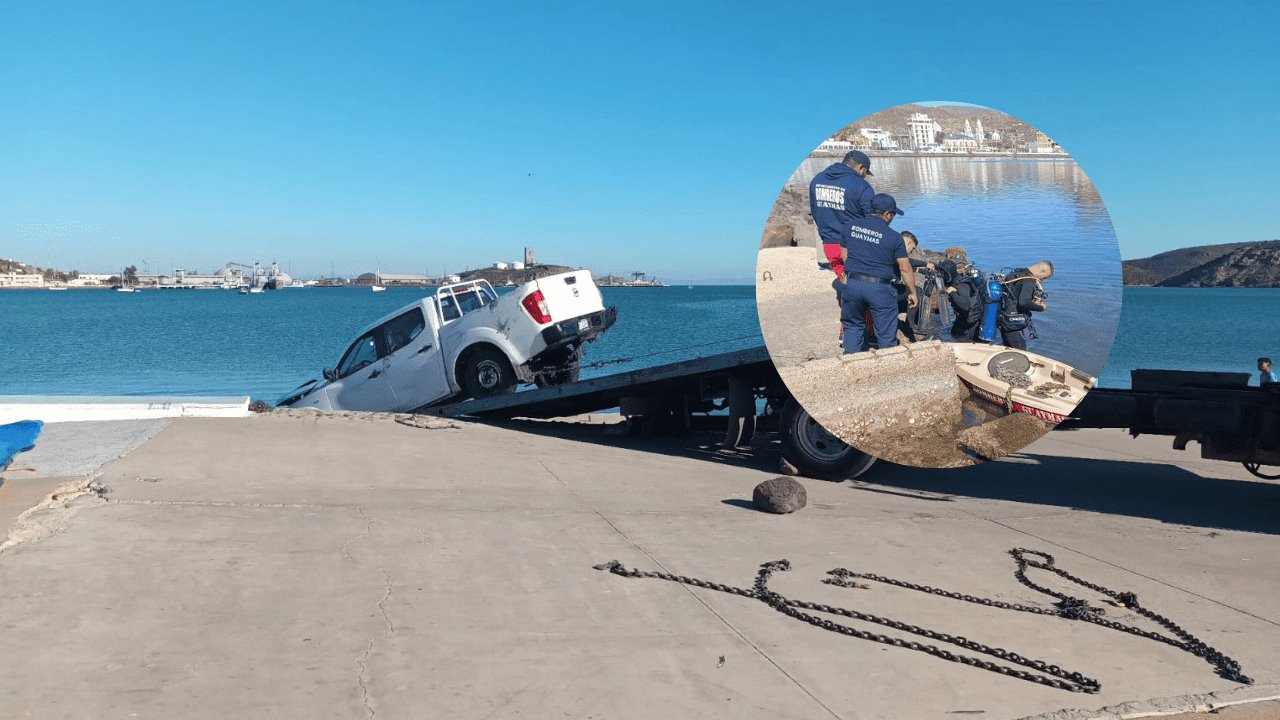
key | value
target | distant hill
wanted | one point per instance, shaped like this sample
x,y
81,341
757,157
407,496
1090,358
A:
x,y
951,117
495,276
502,277
1252,264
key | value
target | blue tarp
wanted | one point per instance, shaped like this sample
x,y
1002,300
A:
x,y
16,437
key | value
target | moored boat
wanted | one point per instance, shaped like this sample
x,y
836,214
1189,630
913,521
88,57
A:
x,y
1021,381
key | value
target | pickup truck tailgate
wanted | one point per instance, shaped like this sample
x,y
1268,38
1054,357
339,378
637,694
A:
x,y
571,295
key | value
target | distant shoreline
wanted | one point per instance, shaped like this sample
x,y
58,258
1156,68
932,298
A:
x,y
964,155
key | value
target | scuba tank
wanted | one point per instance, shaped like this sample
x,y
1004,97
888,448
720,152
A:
x,y
993,296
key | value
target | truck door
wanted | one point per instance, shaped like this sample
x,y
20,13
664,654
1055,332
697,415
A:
x,y
362,376
418,375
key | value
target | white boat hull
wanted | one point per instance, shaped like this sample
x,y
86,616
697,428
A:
x,y
1021,381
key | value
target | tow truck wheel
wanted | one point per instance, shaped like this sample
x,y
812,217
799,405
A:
x,y
487,372
816,452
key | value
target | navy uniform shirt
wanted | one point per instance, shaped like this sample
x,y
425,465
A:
x,y
874,248
838,196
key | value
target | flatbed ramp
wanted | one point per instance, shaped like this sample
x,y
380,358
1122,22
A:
x,y
697,377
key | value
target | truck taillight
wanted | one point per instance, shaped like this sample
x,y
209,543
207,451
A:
x,y
536,304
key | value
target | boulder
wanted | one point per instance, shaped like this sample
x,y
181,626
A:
x,y
780,495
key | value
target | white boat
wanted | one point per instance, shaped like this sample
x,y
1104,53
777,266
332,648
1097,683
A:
x,y
55,288
255,290
1021,381
378,288
123,286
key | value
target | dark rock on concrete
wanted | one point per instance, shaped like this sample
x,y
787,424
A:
x,y
780,495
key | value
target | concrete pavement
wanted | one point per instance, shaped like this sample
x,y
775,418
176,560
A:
x,y
300,566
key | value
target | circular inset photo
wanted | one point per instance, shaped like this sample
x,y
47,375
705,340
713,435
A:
x,y
938,284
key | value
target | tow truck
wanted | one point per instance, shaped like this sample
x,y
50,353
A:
x,y
1230,420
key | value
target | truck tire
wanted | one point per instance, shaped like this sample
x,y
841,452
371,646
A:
x,y
487,372
815,452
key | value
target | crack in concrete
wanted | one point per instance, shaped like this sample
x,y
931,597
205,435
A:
x,y
362,662
364,530
216,503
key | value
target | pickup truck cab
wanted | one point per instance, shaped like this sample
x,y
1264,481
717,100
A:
x,y
465,341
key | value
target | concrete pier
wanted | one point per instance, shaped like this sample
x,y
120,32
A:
x,y
360,567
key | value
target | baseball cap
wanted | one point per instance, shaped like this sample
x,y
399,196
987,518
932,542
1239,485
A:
x,y
859,157
884,202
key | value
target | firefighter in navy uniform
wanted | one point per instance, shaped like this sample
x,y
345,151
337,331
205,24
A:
x,y
1023,295
872,253
837,196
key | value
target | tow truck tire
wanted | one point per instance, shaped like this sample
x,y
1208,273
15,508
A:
x,y
815,452
487,372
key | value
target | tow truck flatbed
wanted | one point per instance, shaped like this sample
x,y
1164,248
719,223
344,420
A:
x,y
697,377
1230,420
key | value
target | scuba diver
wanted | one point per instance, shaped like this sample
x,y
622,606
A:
x,y
917,319
966,293
1022,295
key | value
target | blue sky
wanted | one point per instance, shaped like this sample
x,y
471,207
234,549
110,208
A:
x,y
419,137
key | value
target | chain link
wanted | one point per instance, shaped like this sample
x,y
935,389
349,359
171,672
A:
x,y
1044,673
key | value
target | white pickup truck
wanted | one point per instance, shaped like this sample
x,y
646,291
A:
x,y
465,341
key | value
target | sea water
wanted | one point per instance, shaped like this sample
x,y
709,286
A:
x,y
214,342
1008,213
218,342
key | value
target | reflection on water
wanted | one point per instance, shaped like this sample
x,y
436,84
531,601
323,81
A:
x,y
1009,213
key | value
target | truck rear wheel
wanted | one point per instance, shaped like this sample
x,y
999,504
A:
x,y
814,451
487,372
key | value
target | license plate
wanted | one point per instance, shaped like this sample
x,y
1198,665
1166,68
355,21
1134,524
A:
x,y
583,325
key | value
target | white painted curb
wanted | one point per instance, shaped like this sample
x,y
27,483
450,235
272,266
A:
x,y
52,409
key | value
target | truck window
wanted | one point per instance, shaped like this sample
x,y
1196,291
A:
x,y
470,300
449,308
361,354
403,329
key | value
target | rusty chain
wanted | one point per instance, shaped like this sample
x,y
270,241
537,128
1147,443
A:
x,y
1040,672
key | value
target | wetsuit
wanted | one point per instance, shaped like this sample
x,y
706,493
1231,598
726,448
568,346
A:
x,y
1019,299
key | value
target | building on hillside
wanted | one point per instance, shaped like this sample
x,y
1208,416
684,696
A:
x,y
528,257
879,138
1042,144
17,279
959,143
978,135
835,146
921,130
517,265
499,266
